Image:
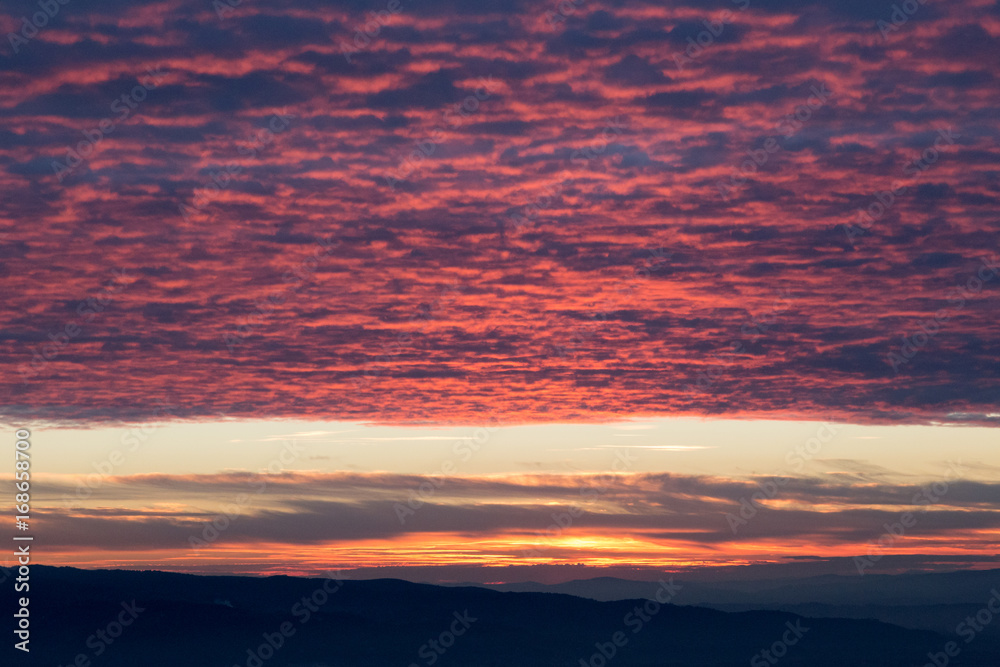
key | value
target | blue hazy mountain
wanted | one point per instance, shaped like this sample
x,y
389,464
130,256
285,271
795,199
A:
x,y
151,619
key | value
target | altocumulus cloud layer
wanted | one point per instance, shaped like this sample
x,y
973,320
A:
x,y
566,211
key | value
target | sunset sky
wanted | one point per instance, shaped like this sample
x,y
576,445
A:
x,y
629,262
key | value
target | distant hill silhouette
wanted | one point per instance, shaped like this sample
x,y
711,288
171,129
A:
x,y
201,621
911,588
935,601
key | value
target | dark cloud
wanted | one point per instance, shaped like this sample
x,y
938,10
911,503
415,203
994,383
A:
x,y
313,508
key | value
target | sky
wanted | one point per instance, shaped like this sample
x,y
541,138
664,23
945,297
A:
x,y
358,238
501,502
